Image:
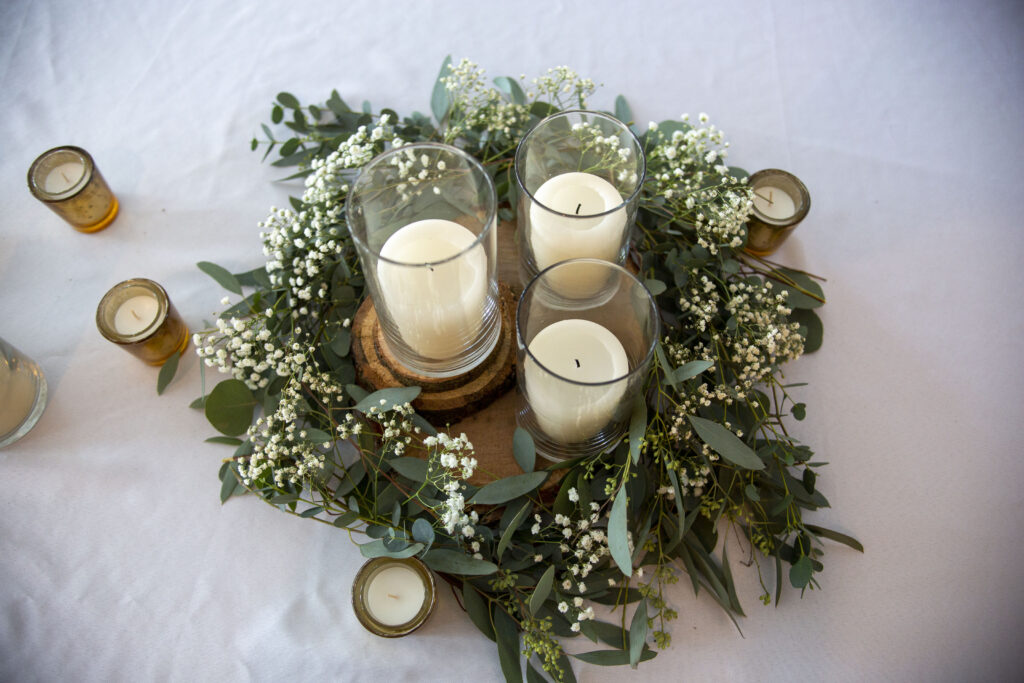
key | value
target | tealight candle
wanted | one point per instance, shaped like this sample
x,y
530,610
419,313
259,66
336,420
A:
x,y
393,597
138,316
584,352
438,302
66,180
781,201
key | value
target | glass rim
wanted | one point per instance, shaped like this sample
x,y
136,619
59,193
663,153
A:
x,y
654,316
641,176
163,303
40,192
805,198
492,203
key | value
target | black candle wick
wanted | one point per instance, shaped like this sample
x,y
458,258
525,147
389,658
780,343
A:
x,y
577,362
578,209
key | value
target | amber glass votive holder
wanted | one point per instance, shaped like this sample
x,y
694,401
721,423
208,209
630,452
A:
x,y
364,596
138,316
781,201
67,181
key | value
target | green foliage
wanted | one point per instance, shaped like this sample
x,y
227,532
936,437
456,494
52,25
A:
x,y
230,406
167,372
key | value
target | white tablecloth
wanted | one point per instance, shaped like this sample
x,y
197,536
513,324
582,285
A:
x,y
117,561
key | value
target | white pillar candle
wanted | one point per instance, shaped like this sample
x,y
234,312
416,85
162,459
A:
x,y
582,351
557,238
135,315
438,308
773,202
395,595
62,178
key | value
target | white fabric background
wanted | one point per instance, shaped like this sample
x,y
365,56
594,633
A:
x,y
117,561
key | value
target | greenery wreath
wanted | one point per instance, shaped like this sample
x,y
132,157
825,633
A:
x,y
708,453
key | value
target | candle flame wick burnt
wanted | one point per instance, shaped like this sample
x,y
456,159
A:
x,y
578,209
577,362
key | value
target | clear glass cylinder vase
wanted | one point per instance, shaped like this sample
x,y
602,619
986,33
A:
x,y
424,221
579,175
22,394
586,331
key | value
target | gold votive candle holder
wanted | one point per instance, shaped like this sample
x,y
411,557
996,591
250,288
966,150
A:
x,y
138,316
393,597
781,201
67,181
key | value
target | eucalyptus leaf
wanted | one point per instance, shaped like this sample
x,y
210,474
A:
x,y
506,536
477,609
288,100
439,99
511,87
691,369
622,110
345,519
637,633
726,444
386,399
655,287
379,549
613,657
543,589
618,540
454,562
226,440
504,490
230,406
423,532
637,428
318,436
835,536
223,277
800,573
811,328
410,468
524,450
507,634
170,367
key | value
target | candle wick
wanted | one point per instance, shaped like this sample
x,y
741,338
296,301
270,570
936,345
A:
x,y
768,198
134,314
577,361
578,209
392,596
66,179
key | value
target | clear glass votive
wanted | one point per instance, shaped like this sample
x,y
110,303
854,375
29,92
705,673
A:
x,y
424,221
781,201
67,181
138,316
393,597
579,175
22,394
583,355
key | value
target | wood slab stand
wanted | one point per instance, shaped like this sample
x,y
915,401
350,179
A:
x,y
444,400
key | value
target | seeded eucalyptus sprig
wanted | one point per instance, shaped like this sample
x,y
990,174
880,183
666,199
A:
x,y
709,453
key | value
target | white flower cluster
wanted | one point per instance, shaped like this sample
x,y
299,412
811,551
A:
x,y
584,543
606,153
477,106
451,464
329,182
679,164
299,248
396,426
282,452
578,613
244,348
563,87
